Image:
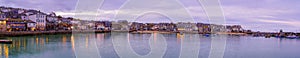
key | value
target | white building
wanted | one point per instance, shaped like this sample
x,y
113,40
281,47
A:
x,y
31,26
40,19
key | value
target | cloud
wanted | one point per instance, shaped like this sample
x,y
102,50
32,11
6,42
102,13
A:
x,y
43,5
291,23
261,19
244,13
252,14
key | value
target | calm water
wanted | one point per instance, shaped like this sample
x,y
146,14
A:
x,y
113,45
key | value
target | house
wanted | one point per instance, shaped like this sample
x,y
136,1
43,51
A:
x,y
102,25
181,26
167,27
135,26
15,24
39,18
65,23
235,28
31,26
52,17
149,26
2,25
99,25
75,23
218,28
51,22
11,24
107,25
204,28
120,25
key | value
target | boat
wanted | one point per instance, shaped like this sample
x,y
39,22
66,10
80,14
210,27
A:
x,y
6,41
206,35
292,37
288,37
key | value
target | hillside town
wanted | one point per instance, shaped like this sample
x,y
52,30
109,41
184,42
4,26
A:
x,y
17,19
29,20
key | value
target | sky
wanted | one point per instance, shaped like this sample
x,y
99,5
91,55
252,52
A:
x,y
256,15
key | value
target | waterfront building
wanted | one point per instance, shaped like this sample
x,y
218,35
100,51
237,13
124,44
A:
x,y
99,25
135,26
155,27
107,25
65,23
167,27
237,28
90,25
120,25
39,18
162,26
2,21
217,28
150,26
181,26
52,17
51,21
200,27
124,24
31,26
2,25
116,26
229,28
103,25
204,28
75,23
15,24
83,25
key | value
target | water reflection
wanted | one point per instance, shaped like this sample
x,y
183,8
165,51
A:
x,y
66,46
37,47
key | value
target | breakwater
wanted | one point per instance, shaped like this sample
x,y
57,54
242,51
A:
x,y
24,33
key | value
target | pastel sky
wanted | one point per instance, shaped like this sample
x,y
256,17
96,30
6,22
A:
x,y
257,15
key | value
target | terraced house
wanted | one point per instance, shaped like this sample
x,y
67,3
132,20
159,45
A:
x,y
52,22
2,22
39,18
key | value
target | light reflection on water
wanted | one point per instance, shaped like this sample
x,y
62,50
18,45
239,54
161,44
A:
x,y
63,46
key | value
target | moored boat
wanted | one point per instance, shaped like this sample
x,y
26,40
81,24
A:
x,y
292,37
6,41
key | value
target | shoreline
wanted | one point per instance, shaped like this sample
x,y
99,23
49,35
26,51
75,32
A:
x,y
32,33
26,33
29,33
